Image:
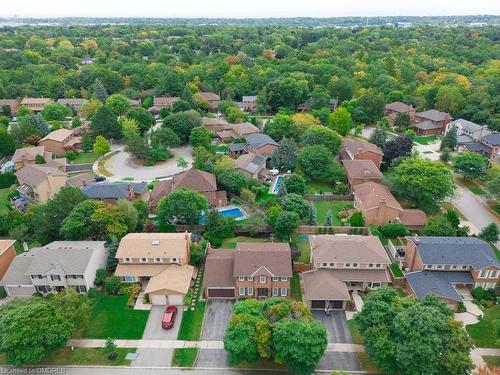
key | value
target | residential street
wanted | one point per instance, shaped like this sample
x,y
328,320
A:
x,y
138,371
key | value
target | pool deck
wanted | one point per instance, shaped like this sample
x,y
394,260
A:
x,y
275,182
228,208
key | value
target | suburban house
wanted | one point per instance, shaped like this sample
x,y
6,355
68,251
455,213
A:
x,y
12,104
260,143
212,99
249,103
252,166
431,122
36,104
160,262
306,107
488,146
445,265
111,192
27,155
333,104
392,110
468,131
342,264
135,103
55,267
80,180
303,107
7,255
215,124
38,183
60,141
361,171
237,131
379,207
194,179
251,270
74,103
355,149
160,102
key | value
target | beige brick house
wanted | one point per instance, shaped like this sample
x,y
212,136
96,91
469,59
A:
x,y
36,104
60,141
38,183
27,155
251,270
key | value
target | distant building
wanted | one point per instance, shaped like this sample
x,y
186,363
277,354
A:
x,y
355,149
431,122
38,183
111,192
60,141
252,166
468,131
392,110
73,103
12,104
249,103
212,99
36,104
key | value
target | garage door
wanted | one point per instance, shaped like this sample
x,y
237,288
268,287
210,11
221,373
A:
x,y
221,293
20,291
318,304
176,299
336,304
158,299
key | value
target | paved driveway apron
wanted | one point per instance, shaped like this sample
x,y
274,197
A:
x,y
217,316
153,331
338,332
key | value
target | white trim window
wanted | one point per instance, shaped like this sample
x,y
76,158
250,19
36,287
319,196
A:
x,y
249,278
429,266
144,260
347,265
454,267
370,265
241,278
276,292
483,274
81,289
158,260
127,260
175,260
439,266
262,279
241,291
490,286
325,264
129,279
284,292
378,265
375,285
355,265
55,277
464,267
276,278
284,278
493,274
332,264
250,291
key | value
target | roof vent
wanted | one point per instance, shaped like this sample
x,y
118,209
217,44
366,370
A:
x,y
155,242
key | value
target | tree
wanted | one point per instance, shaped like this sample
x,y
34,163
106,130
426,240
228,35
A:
x,y
402,120
144,119
423,181
284,93
55,112
490,233
286,223
450,139
438,226
312,215
342,88
470,165
182,163
218,226
183,206
295,203
182,123
111,246
142,213
101,146
232,180
356,220
315,164
280,127
445,156
394,230
378,137
294,183
130,127
78,225
372,106
30,329
285,156
493,186
127,209
118,103
329,218
340,121
453,218
100,92
7,145
106,124
450,99
200,136
399,147
282,193
90,108
138,147
321,135
165,137
239,343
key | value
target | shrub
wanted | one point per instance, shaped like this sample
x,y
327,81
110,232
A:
x,y
71,155
3,293
248,195
112,285
188,296
478,293
7,180
134,291
356,219
394,230
92,293
197,255
295,253
215,241
100,276
374,230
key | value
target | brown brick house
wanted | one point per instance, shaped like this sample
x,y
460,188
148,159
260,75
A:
x,y
212,99
7,255
215,124
13,105
249,103
252,166
251,270
342,264
194,179
379,207
60,141
355,149
38,183
160,102
441,265
260,143
36,104
392,110
361,171
236,131
431,122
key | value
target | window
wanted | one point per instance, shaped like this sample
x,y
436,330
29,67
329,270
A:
x,y
144,260
464,267
370,265
375,285
284,278
262,279
483,274
276,278
493,274
490,286
378,265
348,264
241,278
250,291
128,260
275,292
355,265
55,277
242,291
439,266
33,277
454,267
158,260
284,292
42,288
128,279
249,278
325,264
81,289
175,260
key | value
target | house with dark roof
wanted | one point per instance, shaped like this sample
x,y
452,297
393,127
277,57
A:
x,y
444,265
488,146
260,143
467,131
392,110
194,179
252,166
431,122
356,149
111,192
251,270
73,103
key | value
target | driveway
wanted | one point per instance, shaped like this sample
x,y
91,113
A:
x,y
339,361
336,326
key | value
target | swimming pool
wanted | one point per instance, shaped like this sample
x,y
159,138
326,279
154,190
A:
x,y
229,211
277,183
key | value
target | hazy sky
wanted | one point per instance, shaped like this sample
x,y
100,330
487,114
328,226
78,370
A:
x,y
242,9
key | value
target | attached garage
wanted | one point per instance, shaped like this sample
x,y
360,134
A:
x,y
220,293
322,290
158,299
321,304
20,290
170,286
163,299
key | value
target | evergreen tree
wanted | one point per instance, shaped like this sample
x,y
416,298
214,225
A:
x,y
106,124
490,233
312,215
87,143
100,91
378,137
7,145
285,156
445,155
449,139
329,218
112,246
42,125
282,192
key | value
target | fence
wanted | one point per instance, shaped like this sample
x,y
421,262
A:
x,y
329,197
239,229
306,229
301,267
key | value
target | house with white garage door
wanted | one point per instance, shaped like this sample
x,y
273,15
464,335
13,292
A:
x,y
55,267
160,262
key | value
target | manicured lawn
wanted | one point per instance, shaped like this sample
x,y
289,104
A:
x,y
262,364
301,242
184,357
492,361
495,207
313,187
265,197
85,158
192,321
85,356
475,189
322,208
111,317
366,363
220,148
4,201
485,333
396,271
357,338
296,292
426,140
230,243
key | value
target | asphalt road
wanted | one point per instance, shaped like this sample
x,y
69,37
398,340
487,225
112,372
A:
x,y
133,371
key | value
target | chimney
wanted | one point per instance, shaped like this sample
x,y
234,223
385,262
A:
x,y
313,242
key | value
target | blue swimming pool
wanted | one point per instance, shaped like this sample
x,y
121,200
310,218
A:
x,y
235,212
279,180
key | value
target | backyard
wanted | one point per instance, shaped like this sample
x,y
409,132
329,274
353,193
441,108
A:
x,y
230,243
425,140
322,208
85,158
313,187
296,292
301,242
111,317
485,333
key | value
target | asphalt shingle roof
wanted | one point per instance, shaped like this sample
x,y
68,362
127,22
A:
x,y
112,190
257,140
438,283
493,138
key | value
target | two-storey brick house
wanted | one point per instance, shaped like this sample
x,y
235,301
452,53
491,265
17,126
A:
x,y
252,270
354,149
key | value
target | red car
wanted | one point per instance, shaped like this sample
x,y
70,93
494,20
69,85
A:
x,y
169,317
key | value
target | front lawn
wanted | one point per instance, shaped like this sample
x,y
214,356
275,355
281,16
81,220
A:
x,y
85,356
230,243
472,186
495,207
425,140
301,242
322,208
296,292
313,187
485,333
4,200
356,336
184,357
85,158
111,317
192,320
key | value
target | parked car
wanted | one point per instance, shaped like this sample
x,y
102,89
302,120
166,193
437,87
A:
x,y
99,178
169,317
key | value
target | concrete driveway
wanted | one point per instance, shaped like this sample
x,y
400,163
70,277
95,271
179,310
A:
x,y
339,361
336,326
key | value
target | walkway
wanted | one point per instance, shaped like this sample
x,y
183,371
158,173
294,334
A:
x,y
477,355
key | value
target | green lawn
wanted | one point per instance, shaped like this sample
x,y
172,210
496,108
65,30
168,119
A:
x,y
474,188
220,148
4,201
426,140
184,357
230,243
322,208
111,317
356,336
313,187
492,361
396,271
301,241
265,197
485,333
192,321
85,158
296,292
366,363
85,356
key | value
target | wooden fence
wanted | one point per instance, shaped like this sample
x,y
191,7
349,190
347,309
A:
x,y
329,197
307,229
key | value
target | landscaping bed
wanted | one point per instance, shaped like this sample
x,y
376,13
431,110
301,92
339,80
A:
x,y
85,357
485,333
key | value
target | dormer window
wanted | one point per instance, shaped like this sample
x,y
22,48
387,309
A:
x,y
128,260
144,260
158,260
55,277
174,260
241,278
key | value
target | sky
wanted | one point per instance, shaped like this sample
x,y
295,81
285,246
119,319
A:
x,y
245,9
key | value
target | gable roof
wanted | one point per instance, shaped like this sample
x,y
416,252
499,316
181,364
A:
x,y
356,146
250,98
321,284
207,121
112,190
245,128
26,101
28,153
455,250
80,180
427,125
341,248
35,174
5,245
493,138
219,267
466,125
258,140
433,115
250,162
371,194
59,135
210,96
439,283
72,101
173,277
165,100
151,245
196,180
272,258
362,169
399,107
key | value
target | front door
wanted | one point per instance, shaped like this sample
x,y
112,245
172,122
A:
x,y
262,293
